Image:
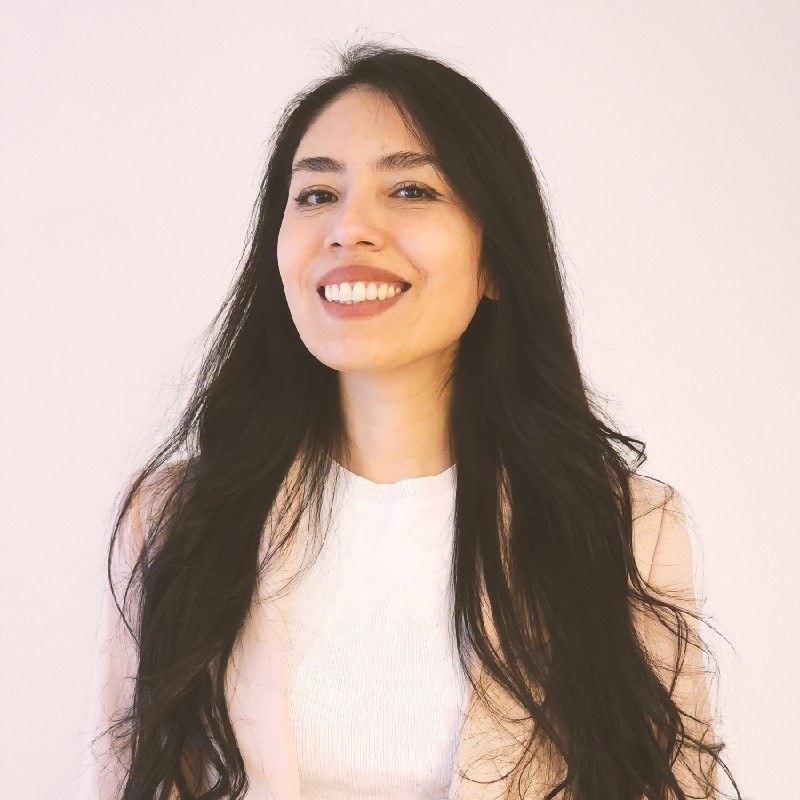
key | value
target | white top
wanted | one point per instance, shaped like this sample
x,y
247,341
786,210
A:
x,y
376,692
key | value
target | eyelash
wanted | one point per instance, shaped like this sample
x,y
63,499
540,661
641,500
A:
x,y
429,194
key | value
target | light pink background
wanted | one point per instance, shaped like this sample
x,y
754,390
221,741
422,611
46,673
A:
x,y
132,142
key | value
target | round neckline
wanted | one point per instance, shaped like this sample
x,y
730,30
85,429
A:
x,y
439,486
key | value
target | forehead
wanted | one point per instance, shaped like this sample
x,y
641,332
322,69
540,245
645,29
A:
x,y
359,120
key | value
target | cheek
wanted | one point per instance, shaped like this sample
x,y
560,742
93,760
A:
x,y
280,248
440,243
288,249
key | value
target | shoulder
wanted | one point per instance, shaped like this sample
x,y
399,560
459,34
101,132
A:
x,y
150,497
661,542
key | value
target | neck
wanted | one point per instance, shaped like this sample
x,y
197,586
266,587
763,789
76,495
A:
x,y
396,427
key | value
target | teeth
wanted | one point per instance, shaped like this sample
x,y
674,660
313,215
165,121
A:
x,y
360,291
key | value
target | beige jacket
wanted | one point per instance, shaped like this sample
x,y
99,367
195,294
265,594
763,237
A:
x,y
257,686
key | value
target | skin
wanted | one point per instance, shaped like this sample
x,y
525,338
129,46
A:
x,y
391,366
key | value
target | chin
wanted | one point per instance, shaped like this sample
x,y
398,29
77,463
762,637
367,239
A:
x,y
354,363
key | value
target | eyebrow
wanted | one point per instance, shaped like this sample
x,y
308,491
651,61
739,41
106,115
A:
x,y
403,159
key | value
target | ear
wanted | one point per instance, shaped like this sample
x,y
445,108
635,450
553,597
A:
x,y
489,288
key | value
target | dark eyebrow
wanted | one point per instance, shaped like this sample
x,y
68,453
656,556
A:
x,y
404,159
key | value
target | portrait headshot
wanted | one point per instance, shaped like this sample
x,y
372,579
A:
x,y
387,401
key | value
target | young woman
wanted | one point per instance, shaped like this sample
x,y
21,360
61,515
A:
x,y
399,553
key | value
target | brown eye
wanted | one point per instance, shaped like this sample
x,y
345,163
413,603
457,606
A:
x,y
302,198
427,194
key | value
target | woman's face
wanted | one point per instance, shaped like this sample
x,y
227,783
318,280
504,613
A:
x,y
357,214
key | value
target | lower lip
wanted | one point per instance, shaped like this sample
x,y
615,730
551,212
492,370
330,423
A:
x,y
366,308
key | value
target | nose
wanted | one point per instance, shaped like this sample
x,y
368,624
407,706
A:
x,y
355,223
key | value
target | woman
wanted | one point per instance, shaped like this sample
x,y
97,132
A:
x,y
399,339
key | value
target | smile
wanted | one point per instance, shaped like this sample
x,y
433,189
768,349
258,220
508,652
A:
x,y
355,309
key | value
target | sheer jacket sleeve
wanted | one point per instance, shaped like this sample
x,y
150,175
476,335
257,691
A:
x,y
105,764
671,578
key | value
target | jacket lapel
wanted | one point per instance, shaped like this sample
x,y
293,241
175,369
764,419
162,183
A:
x,y
256,686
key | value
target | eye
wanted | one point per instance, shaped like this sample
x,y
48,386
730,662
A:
x,y
302,198
427,194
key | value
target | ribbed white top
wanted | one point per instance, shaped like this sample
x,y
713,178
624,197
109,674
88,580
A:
x,y
376,691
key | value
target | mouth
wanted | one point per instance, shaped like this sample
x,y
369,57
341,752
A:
x,y
321,293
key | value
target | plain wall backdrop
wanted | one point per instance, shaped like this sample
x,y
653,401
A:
x,y
132,143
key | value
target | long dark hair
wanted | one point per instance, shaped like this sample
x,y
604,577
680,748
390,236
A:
x,y
528,436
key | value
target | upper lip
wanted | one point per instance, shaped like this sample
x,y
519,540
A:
x,y
350,273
